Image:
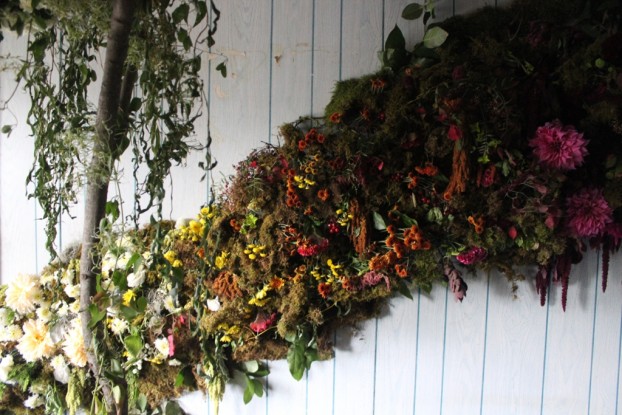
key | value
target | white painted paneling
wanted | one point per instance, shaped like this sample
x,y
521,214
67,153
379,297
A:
x,y
492,354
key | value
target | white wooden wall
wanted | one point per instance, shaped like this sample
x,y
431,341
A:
x,y
492,354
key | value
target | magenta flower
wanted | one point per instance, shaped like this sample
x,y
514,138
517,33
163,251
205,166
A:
x,y
473,255
559,146
588,213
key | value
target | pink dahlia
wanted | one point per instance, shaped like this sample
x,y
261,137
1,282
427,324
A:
x,y
559,146
473,255
588,213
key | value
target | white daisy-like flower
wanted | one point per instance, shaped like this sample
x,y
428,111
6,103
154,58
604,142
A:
x,y
118,326
43,312
11,333
169,304
23,293
61,369
136,279
73,346
174,362
213,304
72,290
74,307
36,343
35,400
69,275
6,365
46,277
161,345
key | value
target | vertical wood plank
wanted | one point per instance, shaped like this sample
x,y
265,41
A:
x,y
23,240
514,351
396,358
240,103
567,373
606,336
430,358
363,37
464,350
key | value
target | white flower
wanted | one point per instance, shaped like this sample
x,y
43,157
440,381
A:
x,y
6,365
43,312
136,279
36,342
174,362
11,333
46,277
23,293
123,260
75,307
213,304
108,263
61,369
118,326
169,304
72,290
161,345
73,346
62,309
35,400
68,277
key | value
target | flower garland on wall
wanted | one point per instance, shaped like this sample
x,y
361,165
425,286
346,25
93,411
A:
x,y
381,196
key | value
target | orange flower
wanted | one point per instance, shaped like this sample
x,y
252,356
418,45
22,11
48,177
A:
x,y
276,283
324,289
235,225
478,224
428,170
302,144
401,270
323,194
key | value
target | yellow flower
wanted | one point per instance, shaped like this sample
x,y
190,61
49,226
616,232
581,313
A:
x,y
221,260
170,256
128,297
196,227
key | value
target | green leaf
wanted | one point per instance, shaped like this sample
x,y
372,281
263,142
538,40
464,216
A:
x,y
97,315
412,11
248,392
133,344
296,360
141,304
434,37
112,209
116,393
120,280
179,379
222,68
257,387
141,402
173,408
395,40
201,12
181,13
6,129
135,104
403,289
379,223
129,313
135,260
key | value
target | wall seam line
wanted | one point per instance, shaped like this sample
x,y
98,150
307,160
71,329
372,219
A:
x,y
416,350
589,395
444,349
546,335
481,396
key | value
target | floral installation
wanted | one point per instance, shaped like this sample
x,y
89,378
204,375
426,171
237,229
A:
x,y
382,195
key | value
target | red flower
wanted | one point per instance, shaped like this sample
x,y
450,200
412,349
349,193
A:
x,y
302,144
335,117
324,289
454,133
262,322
